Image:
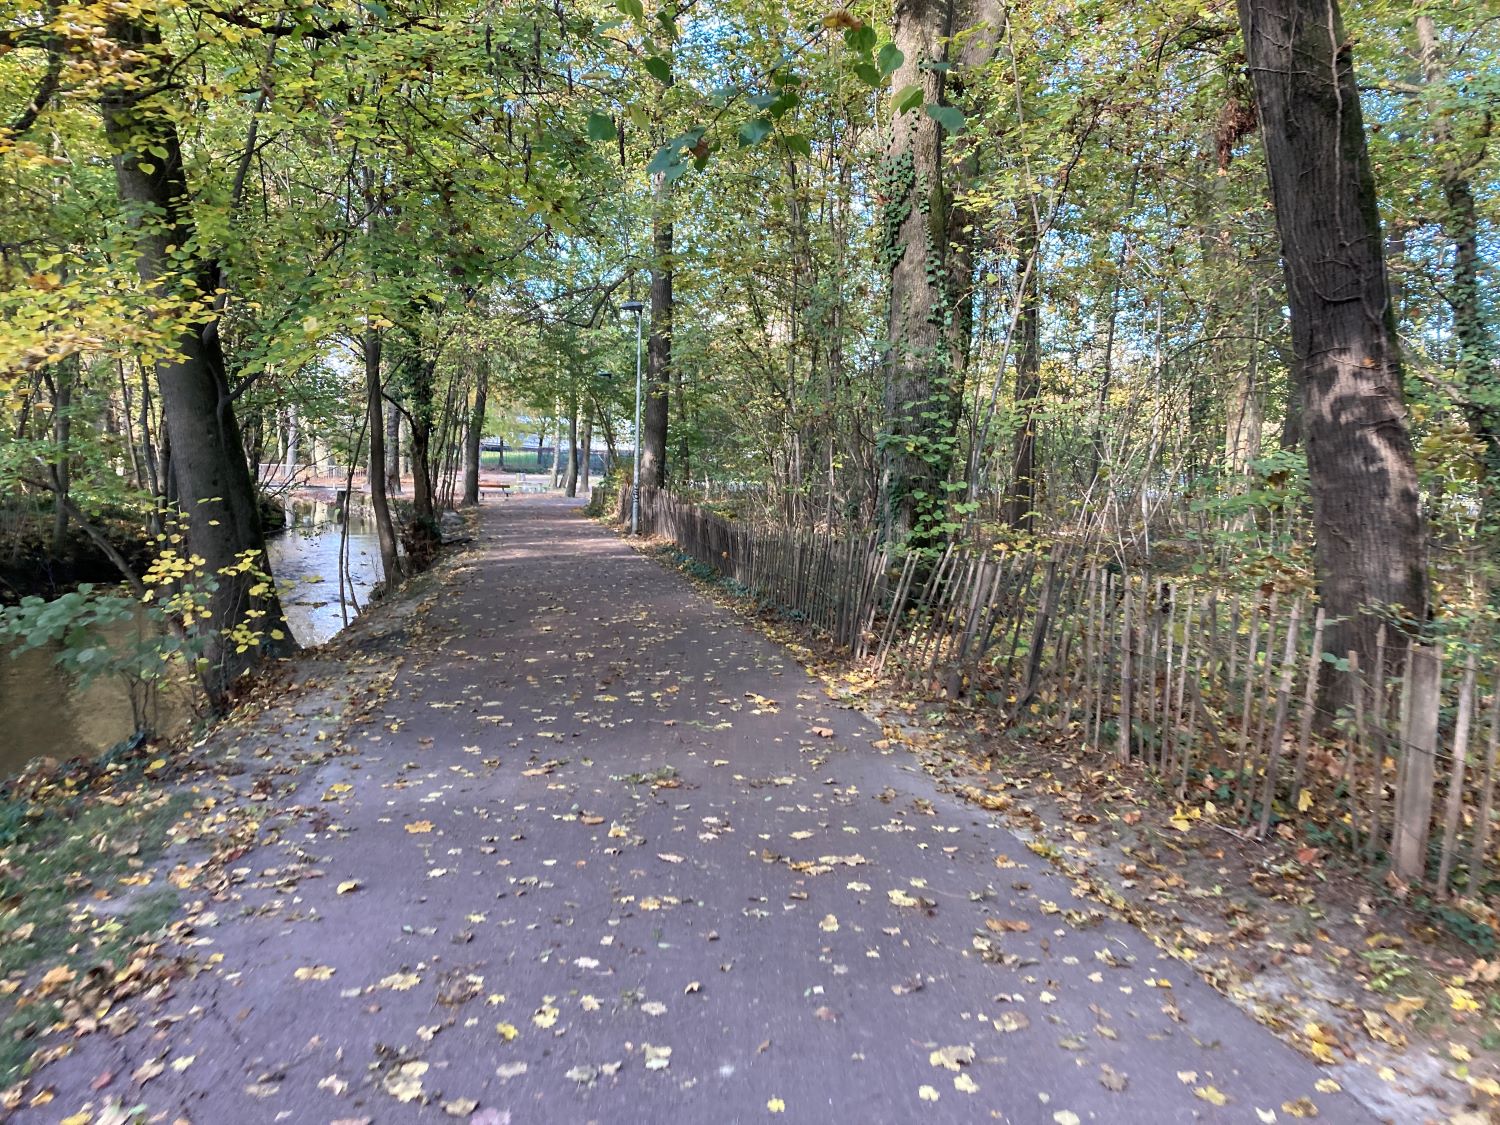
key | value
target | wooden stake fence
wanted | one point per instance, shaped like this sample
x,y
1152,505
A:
x,y
1216,690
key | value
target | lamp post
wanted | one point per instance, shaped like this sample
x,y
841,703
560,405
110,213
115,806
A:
x,y
637,308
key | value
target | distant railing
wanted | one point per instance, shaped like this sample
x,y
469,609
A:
x,y
1216,690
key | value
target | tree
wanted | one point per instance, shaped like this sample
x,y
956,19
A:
x,y
922,390
212,477
1370,540
653,436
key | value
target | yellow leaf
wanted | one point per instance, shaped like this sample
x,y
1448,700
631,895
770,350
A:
x,y
417,826
57,977
927,1093
1304,800
776,1105
314,972
1461,999
1400,1010
508,1031
1211,1094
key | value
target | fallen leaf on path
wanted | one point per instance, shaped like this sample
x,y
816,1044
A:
x,y
951,1057
405,1082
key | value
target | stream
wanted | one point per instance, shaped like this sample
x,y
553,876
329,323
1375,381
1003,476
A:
x,y
44,713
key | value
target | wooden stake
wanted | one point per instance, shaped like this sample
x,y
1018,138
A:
x,y
1455,804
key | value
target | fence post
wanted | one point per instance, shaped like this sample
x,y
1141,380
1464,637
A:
x,y
1455,803
1418,763
1127,680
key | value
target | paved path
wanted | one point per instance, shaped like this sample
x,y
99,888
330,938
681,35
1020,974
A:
x,y
621,860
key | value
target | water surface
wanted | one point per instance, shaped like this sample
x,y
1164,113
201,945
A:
x,y
44,713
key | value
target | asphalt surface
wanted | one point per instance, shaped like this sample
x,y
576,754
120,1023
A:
x,y
619,859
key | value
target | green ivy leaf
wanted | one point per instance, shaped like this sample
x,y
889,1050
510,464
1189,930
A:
x,y
949,117
908,98
889,59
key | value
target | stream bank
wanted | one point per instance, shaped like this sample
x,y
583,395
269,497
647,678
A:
x,y
45,713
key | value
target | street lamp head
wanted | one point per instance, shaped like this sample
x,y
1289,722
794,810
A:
x,y
632,307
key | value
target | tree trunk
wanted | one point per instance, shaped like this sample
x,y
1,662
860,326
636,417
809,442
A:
x,y
557,439
611,451
587,465
1021,511
393,453
653,438
1371,542
293,439
63,376
983,25
208,461
475,432
920,394
422,375
1244,412
385,530
571,483
1460,223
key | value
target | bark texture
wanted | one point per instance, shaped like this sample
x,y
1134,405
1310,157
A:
x,y
1371,542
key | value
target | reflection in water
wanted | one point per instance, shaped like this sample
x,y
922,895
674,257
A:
x,y
42,713
305,560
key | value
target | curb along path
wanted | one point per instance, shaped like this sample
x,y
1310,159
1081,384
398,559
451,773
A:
x,y
608,855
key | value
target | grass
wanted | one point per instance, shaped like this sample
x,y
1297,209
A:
x,y
64,901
